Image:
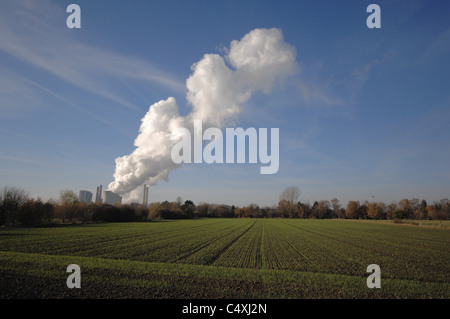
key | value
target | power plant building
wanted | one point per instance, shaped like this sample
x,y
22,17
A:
x,y
111,198
85,197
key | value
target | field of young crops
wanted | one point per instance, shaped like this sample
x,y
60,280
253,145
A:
x,y
226,258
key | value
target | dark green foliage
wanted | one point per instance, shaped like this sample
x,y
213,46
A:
x,y
113,214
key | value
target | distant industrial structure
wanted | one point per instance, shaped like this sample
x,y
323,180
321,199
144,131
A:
x,y
111,198
98,195
108,197
145,197
85,197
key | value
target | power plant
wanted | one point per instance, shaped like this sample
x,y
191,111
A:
x,y
111,198
85,197
145,197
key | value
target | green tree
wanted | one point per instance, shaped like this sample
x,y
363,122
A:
x,y
188,208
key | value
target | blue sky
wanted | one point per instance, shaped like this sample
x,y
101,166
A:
x,y
365,118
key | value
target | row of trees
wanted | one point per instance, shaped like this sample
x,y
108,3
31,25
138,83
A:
x,y
178,210
404,209
290,207
17,208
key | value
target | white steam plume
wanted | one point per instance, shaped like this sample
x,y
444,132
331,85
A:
x,y
216,93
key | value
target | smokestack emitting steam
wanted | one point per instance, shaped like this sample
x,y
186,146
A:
x,y
145,197
216,93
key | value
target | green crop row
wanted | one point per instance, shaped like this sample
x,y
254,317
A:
x,y
277,252
44,276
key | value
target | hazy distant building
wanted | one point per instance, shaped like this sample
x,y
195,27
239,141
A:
x,y
145,197
111,198
85,197
98,195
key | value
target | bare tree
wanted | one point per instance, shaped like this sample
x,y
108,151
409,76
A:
x,y
68,197
202,209
11,199
405,209
321,209
286,209
153,210
290,194
68,201
337,208
287,204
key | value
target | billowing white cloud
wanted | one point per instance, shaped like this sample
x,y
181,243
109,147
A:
x,y
261,58
150,161
217,91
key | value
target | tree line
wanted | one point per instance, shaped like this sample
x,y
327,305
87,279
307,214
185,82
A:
x,y
290,207
18,208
